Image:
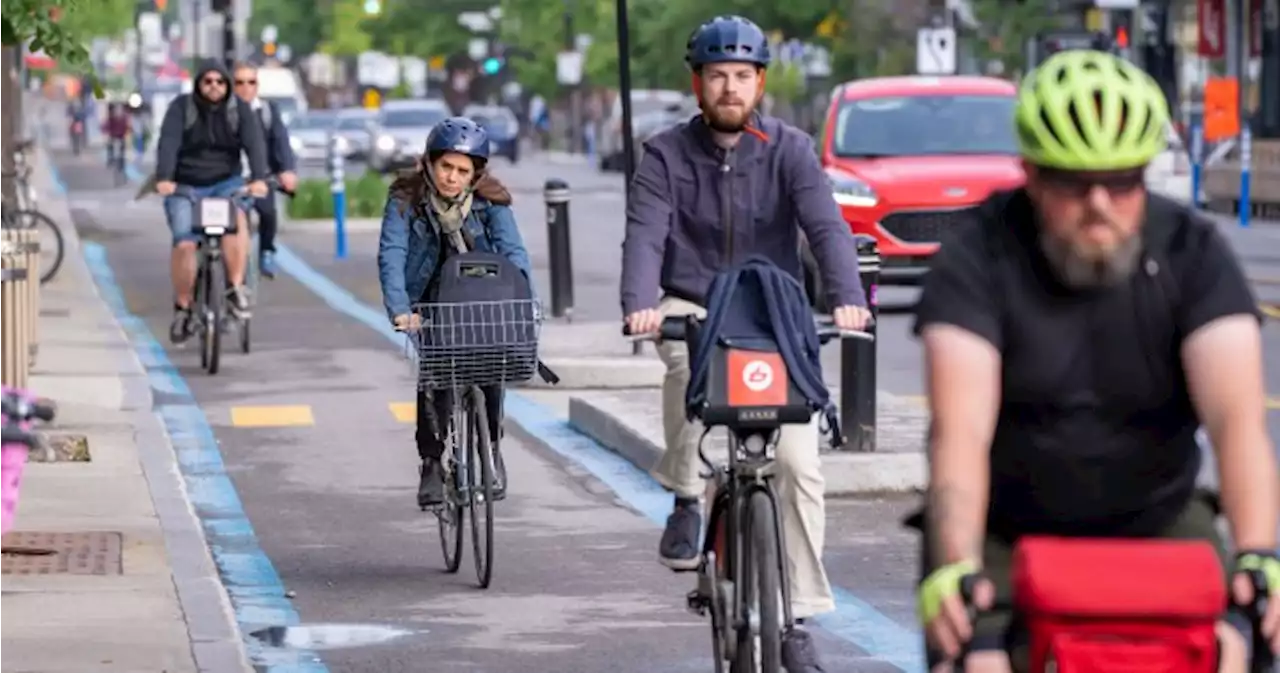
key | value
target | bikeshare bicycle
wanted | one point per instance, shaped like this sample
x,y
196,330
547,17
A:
x,y
214,218
20,409
742,578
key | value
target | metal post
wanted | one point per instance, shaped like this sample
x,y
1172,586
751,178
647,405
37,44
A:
x,y
624,90
858,361
338,187
559,250
1269,78
229,35
1246,134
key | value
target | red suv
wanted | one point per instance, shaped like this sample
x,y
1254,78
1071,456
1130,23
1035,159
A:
x,y
906,154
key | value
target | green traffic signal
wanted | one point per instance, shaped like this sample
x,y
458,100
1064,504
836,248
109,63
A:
x,y
492,65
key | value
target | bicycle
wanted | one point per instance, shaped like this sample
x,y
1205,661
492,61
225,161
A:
x,y
26,215
116,160
462,348
19,410
253,271
742,578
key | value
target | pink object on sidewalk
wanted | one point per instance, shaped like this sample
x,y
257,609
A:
x,y
13,459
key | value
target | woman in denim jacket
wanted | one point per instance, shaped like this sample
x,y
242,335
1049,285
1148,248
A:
x,y
448,191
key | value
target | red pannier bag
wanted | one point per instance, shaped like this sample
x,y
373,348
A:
x,y
1119,606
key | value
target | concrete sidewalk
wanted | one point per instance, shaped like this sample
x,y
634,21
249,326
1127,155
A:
x,y
134,588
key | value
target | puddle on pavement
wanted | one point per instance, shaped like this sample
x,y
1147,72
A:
x,y
327,636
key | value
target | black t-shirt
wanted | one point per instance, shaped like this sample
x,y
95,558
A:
x,y
1096,431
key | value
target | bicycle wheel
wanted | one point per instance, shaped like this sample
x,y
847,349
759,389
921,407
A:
x,y
52,245
761,593
197,306
481,492
214,311
251,282
450,514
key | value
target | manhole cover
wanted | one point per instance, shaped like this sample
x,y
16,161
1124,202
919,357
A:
x,y
34,553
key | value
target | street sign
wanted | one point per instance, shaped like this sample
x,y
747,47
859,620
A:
x,y
372,99
477,48
270,34
284,53
569,68
936,51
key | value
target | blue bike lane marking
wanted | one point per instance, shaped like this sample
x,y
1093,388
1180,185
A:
x,y
252,583
854,619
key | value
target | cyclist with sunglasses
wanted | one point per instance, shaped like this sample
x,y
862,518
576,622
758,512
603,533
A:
x,y
1077,332
201,140
280,159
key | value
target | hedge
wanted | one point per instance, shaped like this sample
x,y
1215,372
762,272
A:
x,y
366,197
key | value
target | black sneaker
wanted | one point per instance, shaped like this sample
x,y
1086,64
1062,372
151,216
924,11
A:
x,y
180,328
799,654
430,484
678,549
238,301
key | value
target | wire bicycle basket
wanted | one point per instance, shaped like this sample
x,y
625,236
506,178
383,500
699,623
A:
x,y
483,343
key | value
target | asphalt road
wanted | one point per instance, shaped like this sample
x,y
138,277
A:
x,y
326,474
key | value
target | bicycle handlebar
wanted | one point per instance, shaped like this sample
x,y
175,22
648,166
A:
x,y
20,409
12,434
273,184
675,328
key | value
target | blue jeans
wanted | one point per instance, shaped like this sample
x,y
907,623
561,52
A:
x,y
179,209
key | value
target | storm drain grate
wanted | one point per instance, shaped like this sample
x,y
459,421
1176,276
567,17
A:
x,y
35,553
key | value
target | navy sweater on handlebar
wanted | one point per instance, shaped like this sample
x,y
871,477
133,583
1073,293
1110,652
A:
x,y
759,303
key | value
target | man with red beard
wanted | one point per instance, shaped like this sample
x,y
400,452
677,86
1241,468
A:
x,y
728,185
1077,332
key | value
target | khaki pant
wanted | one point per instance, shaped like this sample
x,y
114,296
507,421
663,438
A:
x,y
800,484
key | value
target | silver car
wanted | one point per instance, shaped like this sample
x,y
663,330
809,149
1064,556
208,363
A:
x,y
309,135
357,128
403,126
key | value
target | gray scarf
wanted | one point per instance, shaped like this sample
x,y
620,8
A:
x,y
450,213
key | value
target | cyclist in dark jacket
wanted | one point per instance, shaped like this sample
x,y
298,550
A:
x,y
710,193
205,156
116,128
280,159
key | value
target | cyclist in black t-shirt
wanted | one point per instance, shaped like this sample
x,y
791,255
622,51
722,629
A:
x,y
1077,333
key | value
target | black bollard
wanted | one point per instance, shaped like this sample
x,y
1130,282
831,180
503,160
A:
x,y
559,251
858,361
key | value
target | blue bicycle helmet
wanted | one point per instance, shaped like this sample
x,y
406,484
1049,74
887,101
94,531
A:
x,y
727,39
461,135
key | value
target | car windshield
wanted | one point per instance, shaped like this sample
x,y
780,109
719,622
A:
x,y
313,122
493,120
288,108
904,126
423,116
353,123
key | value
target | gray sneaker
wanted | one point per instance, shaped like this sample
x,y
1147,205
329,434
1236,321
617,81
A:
x,y
238,301
678,549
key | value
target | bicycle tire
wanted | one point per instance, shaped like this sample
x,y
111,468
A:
x,y
197,307
449,516
215,292
34,219
481,492
763,582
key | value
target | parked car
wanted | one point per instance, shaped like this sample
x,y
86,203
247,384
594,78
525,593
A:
x,y
403,126
663,106
501,125
907,154
309,135
357,127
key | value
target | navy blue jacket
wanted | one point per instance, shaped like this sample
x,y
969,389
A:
x,y
676,239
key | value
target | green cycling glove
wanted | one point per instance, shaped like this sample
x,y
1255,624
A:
x,y
1266,562
941,584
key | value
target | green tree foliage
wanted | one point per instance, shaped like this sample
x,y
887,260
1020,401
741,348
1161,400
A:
x,y
63,28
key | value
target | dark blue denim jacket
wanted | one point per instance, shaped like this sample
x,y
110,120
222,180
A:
x,y
409,248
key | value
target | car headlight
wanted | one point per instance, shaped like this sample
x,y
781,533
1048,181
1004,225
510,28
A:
x,y
386,143
295,144
850,191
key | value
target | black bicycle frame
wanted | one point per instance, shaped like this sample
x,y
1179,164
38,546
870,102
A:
x,y
746,473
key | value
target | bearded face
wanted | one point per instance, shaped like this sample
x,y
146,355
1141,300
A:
x,y
728,93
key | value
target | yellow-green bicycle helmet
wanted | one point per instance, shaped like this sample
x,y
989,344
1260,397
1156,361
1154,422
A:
x,y
1090,111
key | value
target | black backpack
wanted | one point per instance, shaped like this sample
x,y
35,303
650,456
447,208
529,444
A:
x,y
480,323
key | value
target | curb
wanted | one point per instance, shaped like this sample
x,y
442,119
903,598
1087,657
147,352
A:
x,y
846,473
601,373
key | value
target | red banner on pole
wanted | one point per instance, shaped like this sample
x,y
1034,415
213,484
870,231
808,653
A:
x,y
1255,28
1211,18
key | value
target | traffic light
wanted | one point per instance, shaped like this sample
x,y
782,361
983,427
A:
x,y
492,65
